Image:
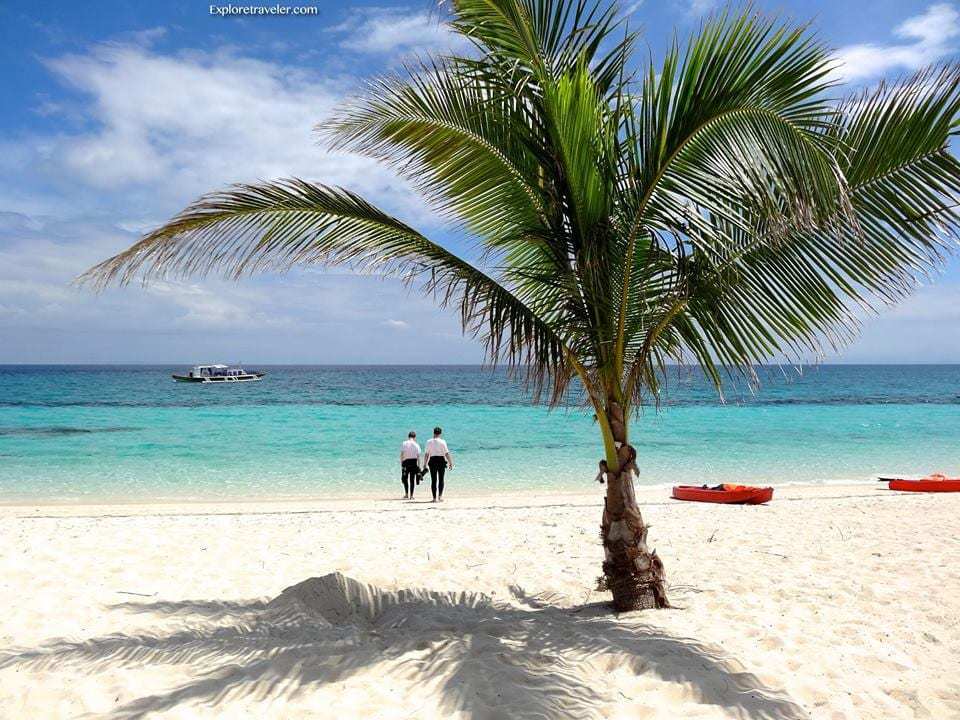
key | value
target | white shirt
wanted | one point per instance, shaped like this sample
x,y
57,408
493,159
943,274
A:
x,y
410,450
437,447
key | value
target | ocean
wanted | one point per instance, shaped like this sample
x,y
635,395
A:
x,y
93,433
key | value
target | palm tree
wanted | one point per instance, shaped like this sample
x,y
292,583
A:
x,y
721,209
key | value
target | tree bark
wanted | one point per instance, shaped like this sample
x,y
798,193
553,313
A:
x,y
631,571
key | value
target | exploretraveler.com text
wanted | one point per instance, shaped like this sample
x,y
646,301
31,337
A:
x,y
227,10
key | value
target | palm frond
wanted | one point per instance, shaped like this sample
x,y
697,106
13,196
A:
x,y
275,226
456,138
581,136
740,118
760,295
731,137
545,38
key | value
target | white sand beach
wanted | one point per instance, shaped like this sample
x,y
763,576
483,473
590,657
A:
x,y
831,602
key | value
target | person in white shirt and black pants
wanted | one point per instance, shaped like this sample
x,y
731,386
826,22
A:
x,y
409,464
437,458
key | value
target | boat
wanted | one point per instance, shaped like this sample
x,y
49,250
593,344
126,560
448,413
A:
x,y
218,374
728,494
931,483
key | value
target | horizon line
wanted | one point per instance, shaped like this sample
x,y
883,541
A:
x,y
152,363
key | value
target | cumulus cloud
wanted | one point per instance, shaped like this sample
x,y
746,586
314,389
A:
x,y
40,257
927,38
396,31
160,129
204,309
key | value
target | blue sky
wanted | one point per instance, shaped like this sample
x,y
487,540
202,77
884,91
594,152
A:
x,y
115,115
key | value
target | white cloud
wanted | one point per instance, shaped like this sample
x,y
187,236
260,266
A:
x,y
397,31
308,316
159,129
701,7
929,37
166,128
938,302
202,308
397,324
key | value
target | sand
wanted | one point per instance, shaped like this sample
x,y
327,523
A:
x,y
831,602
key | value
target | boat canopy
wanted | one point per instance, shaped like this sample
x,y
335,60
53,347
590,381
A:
x,y
216,370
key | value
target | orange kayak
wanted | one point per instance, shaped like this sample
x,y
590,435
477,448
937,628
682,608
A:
x,y
931,483
730,494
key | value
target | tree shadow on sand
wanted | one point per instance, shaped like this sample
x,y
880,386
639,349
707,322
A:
x,y
483,659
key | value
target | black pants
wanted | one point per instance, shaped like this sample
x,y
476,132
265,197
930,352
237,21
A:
x,y
409,471
438,466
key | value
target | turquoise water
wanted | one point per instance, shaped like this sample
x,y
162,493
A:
x,y
97,432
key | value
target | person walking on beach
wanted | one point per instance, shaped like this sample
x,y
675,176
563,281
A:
x,y
437,458
409,464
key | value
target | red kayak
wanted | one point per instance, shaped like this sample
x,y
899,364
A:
x,y
931,483
730,494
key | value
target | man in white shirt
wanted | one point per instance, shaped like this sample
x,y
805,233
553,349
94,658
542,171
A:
x,y
437,458
409,464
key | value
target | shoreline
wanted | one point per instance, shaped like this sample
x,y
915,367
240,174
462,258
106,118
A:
x,y
650,495
587,487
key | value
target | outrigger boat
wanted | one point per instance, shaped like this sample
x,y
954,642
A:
x,y
218,374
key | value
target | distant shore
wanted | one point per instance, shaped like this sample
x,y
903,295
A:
x,y
795,609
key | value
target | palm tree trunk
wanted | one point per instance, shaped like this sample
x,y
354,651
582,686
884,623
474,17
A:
x,y
631,571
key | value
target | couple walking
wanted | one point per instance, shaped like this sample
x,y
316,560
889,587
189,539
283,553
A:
x,y
436,458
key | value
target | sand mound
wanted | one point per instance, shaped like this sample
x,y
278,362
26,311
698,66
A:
x,y
336,599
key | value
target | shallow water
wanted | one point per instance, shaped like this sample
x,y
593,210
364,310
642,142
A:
x,y
96,432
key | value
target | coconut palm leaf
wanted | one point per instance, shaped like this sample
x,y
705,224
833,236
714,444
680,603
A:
x,y
545,38
728,138
789,296
275,226
455,137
